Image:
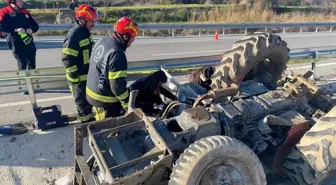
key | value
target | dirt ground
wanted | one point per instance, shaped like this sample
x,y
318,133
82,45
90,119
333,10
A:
x,y
41,157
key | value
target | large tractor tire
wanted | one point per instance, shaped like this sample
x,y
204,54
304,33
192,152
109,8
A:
x,y
65,16
313,160
217,160
261,56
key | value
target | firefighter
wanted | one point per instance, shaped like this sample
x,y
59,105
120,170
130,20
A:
x,y
19,26
76,53
150,88
106,87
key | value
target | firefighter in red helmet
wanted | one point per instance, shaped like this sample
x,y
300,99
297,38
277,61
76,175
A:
x,y
76,54
19,25
106,87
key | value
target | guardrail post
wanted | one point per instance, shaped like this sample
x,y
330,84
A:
x,y
316,29
31,92
300,29
245,31
143,33
284,30
199,32
313,65
173,33
331,29
313,69
316,55
223,31
265,29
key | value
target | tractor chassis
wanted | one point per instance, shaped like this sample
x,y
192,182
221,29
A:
x,y
151,174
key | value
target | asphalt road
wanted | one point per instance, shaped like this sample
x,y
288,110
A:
x,y
49,48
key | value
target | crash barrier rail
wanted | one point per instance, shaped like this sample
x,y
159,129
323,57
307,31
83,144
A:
x,y
222,27
32,81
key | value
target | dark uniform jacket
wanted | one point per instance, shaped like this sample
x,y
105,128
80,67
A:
x,y
207,72
150,90
10,19
76,53
106,83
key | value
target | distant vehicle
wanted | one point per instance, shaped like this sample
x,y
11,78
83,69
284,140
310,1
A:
x,y
67,15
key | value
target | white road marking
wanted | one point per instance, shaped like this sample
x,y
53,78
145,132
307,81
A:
x,y
69,97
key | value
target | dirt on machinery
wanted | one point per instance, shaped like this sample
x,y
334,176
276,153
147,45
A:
x,y
256,124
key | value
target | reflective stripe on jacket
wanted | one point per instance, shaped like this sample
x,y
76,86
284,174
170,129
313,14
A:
x,y
108,71
76,53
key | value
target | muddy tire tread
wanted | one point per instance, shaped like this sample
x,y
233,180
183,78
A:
x,y
246,54
60,16
183,167
315,155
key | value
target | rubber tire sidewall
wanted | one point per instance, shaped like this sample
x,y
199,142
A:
x,y
240,154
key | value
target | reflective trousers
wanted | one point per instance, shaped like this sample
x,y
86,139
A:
x,y
84,109
103,113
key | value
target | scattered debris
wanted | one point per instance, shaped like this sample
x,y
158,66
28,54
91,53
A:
x,y
12,139
66,180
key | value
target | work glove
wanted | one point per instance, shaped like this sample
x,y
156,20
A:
x,y
29,31
21,30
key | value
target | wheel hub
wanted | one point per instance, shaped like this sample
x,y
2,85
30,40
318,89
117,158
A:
x,y
68,20
222,175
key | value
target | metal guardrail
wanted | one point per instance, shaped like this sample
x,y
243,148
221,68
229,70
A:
x,y
33,81
173,27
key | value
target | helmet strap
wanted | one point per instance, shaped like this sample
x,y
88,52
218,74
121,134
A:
x,y
81,21
15,6
122,37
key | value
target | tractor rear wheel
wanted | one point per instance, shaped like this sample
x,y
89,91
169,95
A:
x,y
261,56
217,160
65,17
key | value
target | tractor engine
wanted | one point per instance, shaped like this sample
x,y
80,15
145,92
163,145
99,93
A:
x,y
251,119
258,117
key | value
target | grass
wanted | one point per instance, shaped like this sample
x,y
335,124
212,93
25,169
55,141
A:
x,y
255,14
198,14
304,61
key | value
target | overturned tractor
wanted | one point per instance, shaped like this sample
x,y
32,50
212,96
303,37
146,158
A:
x,y
251,120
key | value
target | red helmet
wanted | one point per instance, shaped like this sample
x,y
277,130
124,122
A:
x,y
86,12
127,25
